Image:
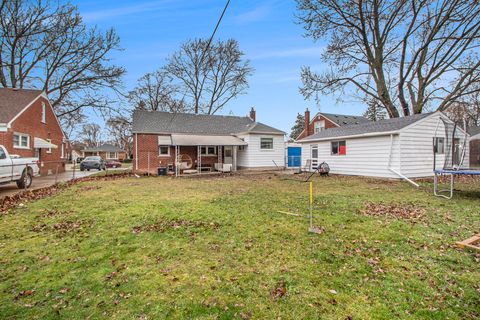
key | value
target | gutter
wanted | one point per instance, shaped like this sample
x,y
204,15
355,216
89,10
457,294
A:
x,y
395,171
370,134
136,152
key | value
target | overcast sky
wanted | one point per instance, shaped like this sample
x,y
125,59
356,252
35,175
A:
x,y
266,30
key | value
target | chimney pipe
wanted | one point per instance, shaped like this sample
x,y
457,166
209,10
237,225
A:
x,y
307,122
253,114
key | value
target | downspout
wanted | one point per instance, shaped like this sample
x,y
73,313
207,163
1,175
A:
x,y
395,171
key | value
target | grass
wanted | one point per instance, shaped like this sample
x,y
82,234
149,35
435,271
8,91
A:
x,y
216,248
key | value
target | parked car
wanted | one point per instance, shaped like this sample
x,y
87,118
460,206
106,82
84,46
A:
x,y
94,162
113,164
15,168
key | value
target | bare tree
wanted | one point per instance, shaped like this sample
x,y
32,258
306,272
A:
x,y
47,46
409,55
120,129
209,76
155,91
91,135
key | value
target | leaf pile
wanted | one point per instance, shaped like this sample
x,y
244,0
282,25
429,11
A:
x,y
164,225
62,228
13,201
279,291
392,210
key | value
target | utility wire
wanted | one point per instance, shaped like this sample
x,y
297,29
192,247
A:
x,y
218,24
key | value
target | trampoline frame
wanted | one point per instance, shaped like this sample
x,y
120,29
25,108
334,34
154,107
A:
x,y
438,173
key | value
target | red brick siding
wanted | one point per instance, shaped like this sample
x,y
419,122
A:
x,y
30,122
149,159
475,153
328,125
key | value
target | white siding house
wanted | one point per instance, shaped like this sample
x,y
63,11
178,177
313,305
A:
x,y
256,155
392,148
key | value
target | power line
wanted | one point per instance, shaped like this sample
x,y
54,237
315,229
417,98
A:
x,y
218,24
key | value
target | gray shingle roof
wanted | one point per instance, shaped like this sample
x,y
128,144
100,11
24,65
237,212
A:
x,y
473,131
387,125
103,148
345,119
12,101
167,122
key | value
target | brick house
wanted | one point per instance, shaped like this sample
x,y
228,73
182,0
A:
x,y
322,121
106,151
191,143
30,128
474,133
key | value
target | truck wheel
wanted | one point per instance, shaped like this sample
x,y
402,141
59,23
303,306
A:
x,y
25,181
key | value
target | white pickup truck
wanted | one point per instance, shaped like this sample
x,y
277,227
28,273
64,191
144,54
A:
x,y
15,168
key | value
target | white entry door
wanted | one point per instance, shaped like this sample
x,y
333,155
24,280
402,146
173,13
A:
x,y
228,155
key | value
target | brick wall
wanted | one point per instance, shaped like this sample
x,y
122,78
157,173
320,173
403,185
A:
x,y
311,128
149,159
30,123
120,155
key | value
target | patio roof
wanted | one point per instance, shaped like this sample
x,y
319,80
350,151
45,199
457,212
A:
x,y
206,140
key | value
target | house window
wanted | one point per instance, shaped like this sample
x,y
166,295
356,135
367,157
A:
x,y
49,150
44,112
266,143
314,152
319,126
112,155
21,141
439,145
164,150
208,151
62,155
241,148
339,148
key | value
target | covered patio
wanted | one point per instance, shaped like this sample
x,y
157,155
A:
x,y
203,154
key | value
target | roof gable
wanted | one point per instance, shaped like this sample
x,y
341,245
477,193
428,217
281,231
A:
x,y
187,123
14,101
381,126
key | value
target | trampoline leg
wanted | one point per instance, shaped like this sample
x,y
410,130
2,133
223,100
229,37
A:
x,y
438,192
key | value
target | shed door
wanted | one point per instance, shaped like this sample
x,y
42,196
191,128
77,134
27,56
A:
x,y
294,155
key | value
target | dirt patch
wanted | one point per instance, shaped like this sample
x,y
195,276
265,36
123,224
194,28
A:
x,y
407,211
164,225
15,200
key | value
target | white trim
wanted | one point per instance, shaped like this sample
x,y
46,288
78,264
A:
x,y
44,95
20,135
266,149
44,112
164,155
370,134
49,150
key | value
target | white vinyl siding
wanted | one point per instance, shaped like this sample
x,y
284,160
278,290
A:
x,y
417,147
367,156
253,156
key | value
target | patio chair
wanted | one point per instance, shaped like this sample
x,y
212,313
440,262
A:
x,y
223,167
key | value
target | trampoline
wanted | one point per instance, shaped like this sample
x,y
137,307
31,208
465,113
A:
x,y
454,148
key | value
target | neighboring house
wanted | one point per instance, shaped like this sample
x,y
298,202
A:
x,y
106,151
322,121
30,128
204,142
391,148
474,146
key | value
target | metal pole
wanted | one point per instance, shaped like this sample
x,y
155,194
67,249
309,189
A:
x,y
56,174
74,165
311,205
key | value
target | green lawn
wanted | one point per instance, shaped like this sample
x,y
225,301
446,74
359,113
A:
x,y
216,248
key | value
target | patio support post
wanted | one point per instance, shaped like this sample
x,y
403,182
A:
x,y
199,159
234,158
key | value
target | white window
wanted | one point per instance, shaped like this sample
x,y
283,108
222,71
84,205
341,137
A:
x,y
208,151
314,156
164,150
112,155
44,112
49,150
266,143
439,145
21,141
319,126
62,155
339,148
